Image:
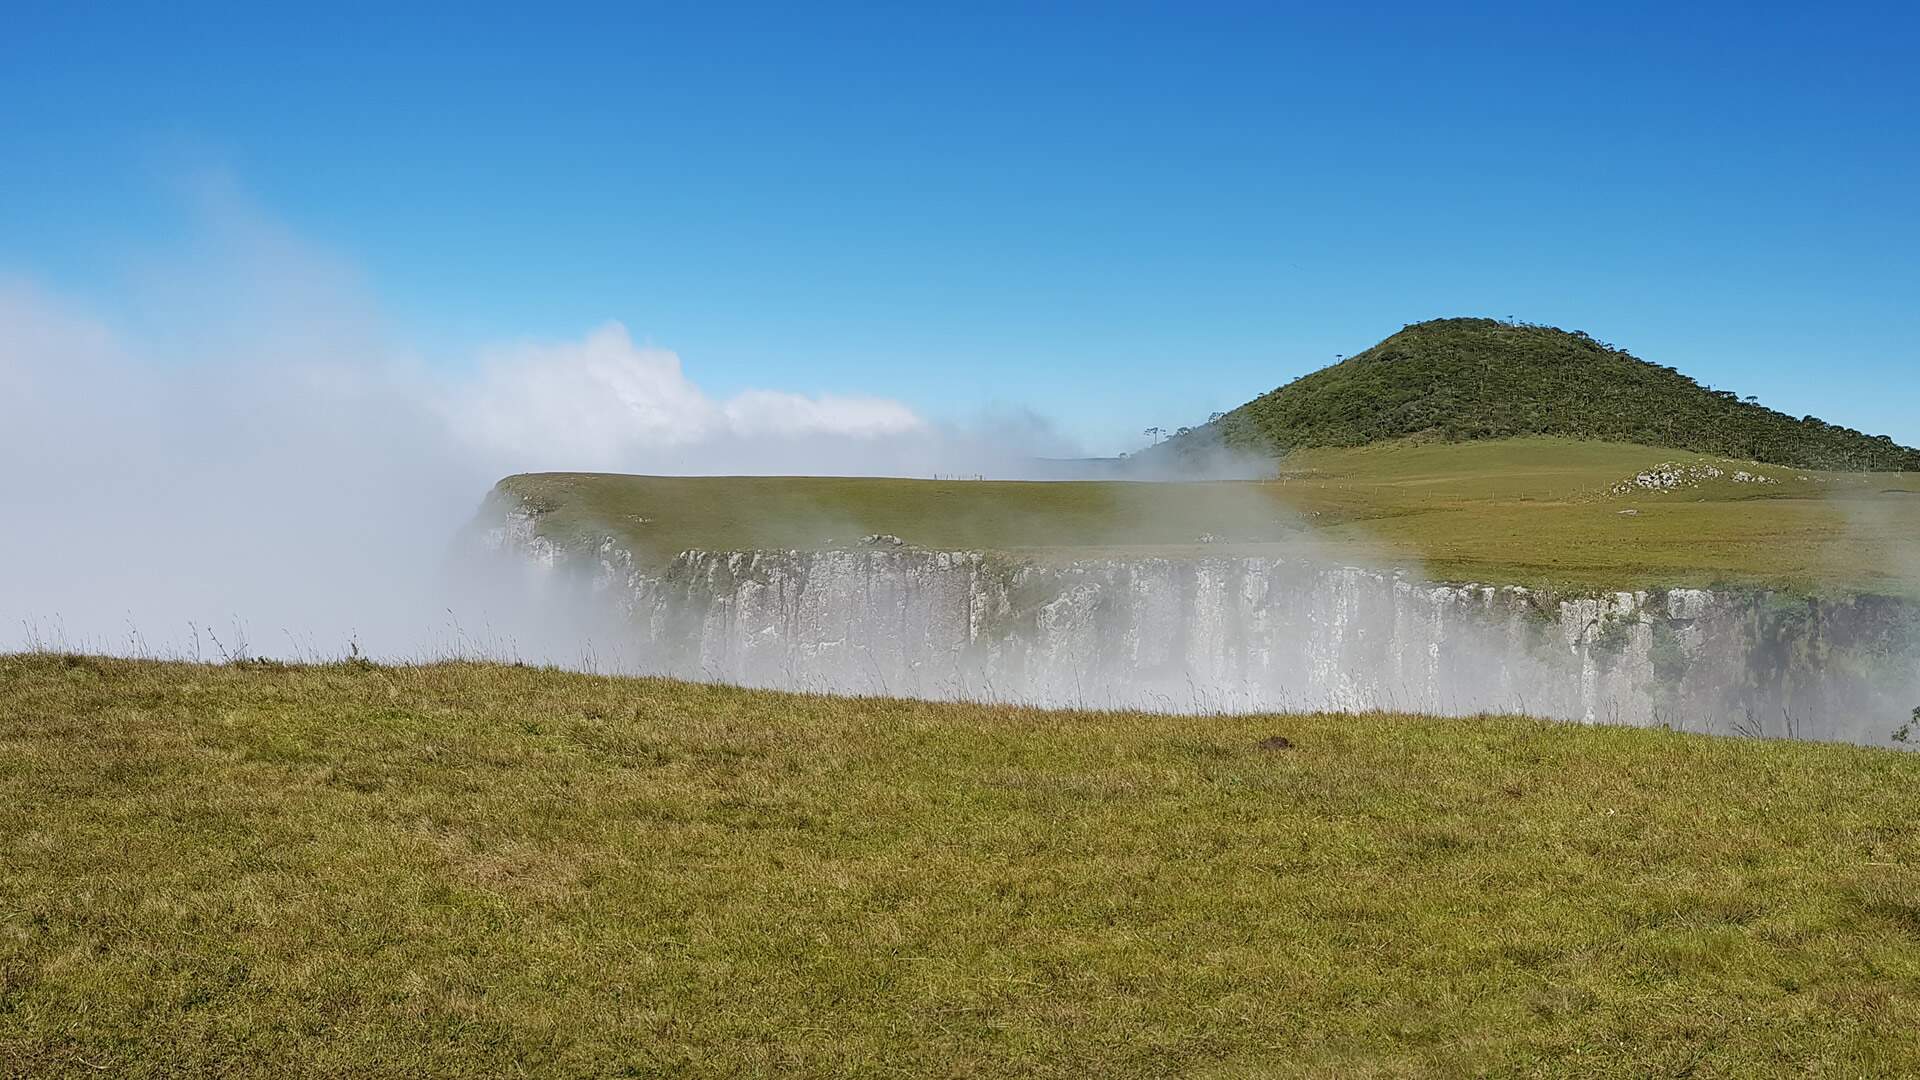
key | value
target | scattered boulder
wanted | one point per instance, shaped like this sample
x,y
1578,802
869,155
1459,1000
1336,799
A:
x,y
1672,476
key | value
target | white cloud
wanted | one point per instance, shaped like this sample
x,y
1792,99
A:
x,y
754,413
605,403
590,401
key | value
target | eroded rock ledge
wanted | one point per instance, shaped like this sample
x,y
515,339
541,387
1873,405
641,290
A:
x,y
1241,633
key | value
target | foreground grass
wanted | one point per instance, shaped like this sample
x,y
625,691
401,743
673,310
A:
x,y
1535,512
469,870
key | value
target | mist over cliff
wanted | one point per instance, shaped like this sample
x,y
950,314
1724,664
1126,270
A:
x,y
1271,632
242,447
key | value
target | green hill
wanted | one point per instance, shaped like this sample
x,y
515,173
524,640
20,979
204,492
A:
x,y
1466,379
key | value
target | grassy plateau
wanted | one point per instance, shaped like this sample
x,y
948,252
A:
x,y
475,870
1540,512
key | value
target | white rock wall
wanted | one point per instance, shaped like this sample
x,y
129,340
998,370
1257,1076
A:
x,y
1194,634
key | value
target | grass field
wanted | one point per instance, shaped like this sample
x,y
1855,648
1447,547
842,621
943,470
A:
x,y
469,870
1537,512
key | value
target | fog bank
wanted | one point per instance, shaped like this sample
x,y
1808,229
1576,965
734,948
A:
x,y
239,448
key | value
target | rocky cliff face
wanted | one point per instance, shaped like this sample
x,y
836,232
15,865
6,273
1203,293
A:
x,y
1241,633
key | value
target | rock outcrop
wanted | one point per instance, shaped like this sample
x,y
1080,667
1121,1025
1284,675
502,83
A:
x,y
1241,633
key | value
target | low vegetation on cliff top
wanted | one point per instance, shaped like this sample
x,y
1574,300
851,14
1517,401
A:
x,y
1468,379
472,870
1548,513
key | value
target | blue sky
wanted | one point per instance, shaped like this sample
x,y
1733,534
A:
x,y
1117,216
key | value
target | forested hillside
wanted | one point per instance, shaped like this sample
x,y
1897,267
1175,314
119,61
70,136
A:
x,y
1463,379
